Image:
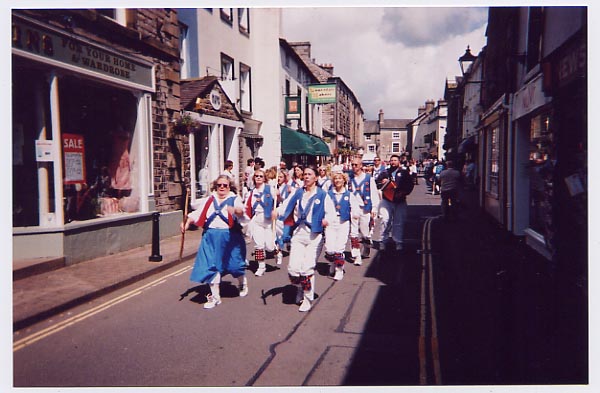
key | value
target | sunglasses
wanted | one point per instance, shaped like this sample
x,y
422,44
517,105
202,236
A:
x,y
222,185
258,176
355,165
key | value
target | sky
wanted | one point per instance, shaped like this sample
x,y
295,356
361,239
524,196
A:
x,y
392,58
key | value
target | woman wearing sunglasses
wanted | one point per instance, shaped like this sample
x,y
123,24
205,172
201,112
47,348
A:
x,y
222,249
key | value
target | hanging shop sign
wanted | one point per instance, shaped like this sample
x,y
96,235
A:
x,y
74,158
46,44
292,108
322,94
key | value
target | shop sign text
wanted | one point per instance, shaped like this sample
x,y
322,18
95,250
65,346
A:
x,y
62,48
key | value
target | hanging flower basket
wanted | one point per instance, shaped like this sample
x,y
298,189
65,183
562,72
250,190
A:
x,y
185,125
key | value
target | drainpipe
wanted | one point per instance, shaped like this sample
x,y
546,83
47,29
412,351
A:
x,y
510,159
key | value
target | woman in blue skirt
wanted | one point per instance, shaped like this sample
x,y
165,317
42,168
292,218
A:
x,y
222,248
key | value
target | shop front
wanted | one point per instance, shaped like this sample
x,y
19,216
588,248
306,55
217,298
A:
x,y
492,166
214,127
81,134
565,79
534,158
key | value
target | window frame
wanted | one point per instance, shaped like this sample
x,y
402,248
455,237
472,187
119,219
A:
x,y
226,59
245,88
225,16
244,13
395,147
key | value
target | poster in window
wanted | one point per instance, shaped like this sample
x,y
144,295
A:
x,y
74,158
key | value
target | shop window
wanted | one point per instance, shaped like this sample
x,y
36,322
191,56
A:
x,y
100,174
493,161
541,170
30,107
245,88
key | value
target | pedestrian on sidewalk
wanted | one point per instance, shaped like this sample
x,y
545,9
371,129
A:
x,y
450,180
336,233
260,210
395,184
223,248
363,186
309,211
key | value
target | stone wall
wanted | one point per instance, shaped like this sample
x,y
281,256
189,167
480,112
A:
x,y
159,28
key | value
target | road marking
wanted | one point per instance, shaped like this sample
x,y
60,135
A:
x,y
427,267
26,341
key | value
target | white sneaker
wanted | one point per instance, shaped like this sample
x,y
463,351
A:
x,y
339,274
279,257
305,306
212,301
243,290
262,268
358,260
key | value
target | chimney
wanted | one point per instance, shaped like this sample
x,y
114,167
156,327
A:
x,y
429,105
301,48
328,68
380,117
421,110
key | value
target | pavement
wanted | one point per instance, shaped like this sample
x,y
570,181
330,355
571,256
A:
x,y
505,316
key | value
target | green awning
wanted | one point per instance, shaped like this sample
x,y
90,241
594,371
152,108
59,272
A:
x,y
321,147
294,142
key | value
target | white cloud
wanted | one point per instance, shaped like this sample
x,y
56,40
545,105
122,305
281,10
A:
x,y
391,65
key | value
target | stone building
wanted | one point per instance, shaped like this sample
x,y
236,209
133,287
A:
x,y
343,119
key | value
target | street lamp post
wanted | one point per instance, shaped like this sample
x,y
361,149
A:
x,y
466,60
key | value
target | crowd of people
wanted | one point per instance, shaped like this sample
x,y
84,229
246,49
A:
x,y
303,211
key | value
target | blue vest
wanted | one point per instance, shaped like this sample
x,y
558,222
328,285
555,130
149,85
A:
x,y
266,200
342,207
363,190
284,190
316,204
205,222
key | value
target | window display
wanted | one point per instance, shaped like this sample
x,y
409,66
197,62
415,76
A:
x,y
541,169
99,121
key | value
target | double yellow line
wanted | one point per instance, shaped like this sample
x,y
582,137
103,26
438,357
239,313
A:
x,y
26,341
427,278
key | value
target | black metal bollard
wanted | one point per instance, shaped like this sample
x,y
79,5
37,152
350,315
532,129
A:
x,y
155,257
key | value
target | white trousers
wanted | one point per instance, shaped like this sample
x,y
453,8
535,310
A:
x,y
304,252
336,236
360,226
262,233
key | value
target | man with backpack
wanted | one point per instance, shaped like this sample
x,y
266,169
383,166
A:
x,y
395,184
